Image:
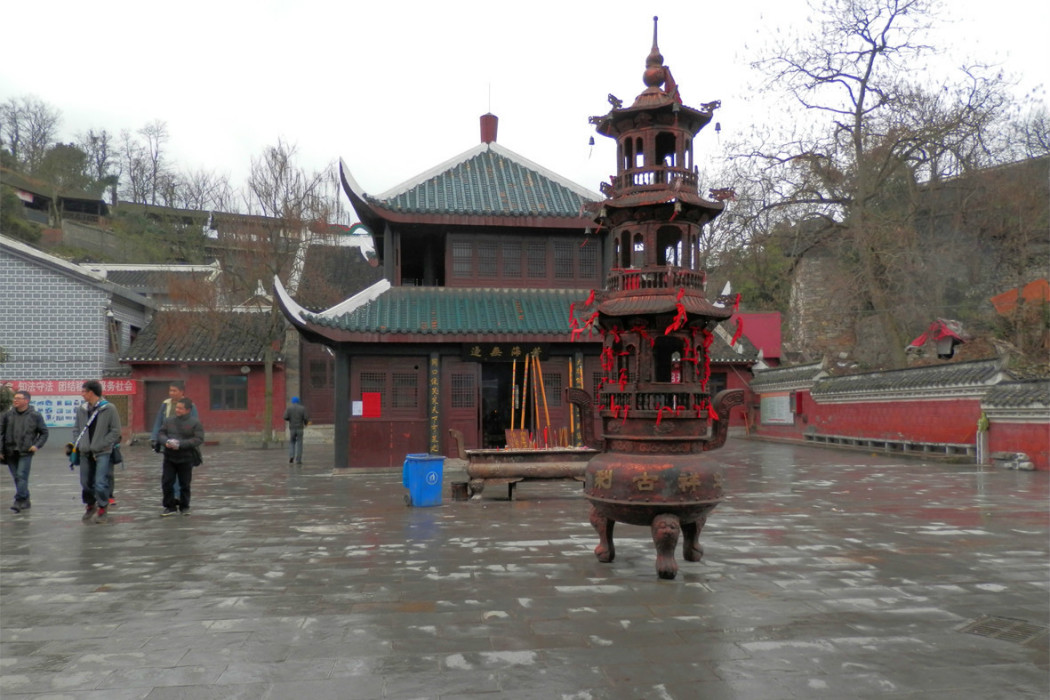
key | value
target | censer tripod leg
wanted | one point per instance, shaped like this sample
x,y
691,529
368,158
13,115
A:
x,y
605,551
666,529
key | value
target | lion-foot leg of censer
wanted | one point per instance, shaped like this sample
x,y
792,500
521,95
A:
x,y
605,551
692,550
666,529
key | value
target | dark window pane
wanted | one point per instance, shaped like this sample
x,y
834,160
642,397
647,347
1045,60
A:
x,y
318,374
228,392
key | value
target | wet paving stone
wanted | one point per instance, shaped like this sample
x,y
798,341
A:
x,y
827,574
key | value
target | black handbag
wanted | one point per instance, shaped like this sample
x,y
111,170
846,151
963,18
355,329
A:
x,y
116,457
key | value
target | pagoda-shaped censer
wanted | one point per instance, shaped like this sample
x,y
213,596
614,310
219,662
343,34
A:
x,y
657,416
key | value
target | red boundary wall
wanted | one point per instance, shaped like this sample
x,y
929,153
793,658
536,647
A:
x,y
1031,438
930,421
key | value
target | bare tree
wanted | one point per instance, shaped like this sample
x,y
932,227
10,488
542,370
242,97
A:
x,y
28,126
279,189
206,190
156,138
98,146
134,169
876,139
287,206
144,170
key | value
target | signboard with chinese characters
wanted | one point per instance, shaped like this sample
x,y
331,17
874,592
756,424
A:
x,y
503,352
57,400
434,404
776,409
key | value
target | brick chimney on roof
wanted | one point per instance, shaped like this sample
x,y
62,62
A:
x,y
489,126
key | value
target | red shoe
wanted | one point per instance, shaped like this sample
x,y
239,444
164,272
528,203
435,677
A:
x,y
89,512
100,516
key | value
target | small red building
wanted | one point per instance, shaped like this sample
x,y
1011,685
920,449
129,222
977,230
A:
x,y
221,358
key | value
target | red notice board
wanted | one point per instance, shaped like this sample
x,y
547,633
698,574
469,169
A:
x,y
371,404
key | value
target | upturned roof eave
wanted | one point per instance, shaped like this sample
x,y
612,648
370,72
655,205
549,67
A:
x,y
664,196
699,117
333,336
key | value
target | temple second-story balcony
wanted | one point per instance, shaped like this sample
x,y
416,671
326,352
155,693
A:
x,y
651,178
654,278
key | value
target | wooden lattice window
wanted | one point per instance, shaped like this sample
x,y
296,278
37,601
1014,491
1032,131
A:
x,y
462,254
464,391
374,382
552,385
405,390
564,260
487,262
536,253
511,251
589,260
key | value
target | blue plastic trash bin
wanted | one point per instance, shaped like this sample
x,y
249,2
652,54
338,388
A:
x,y
422,476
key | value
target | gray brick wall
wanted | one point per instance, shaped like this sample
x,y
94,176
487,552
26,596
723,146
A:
x,y
51,326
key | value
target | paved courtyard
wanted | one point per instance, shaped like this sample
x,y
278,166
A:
x,y
827,574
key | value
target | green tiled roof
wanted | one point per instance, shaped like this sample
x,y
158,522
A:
x,y
444,310
449,311
487,180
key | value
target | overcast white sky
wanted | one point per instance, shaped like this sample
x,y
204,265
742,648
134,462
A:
x,y
395,87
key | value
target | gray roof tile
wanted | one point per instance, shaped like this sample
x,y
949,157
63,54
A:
x,y
1035,393
954,375
180,336
784,378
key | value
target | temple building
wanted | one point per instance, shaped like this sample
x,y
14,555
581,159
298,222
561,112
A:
x,y
471,328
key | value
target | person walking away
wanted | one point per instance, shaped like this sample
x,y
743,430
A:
x,y
96,432
182,437
297,419
176,391
22,433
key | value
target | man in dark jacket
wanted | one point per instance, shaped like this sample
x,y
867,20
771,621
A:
x,y
176,391
22,433
298,419
182,437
